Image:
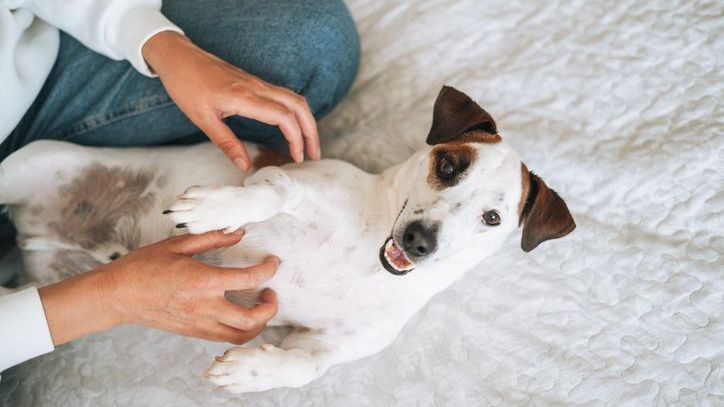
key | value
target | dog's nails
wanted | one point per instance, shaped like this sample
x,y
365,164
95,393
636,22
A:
x,y
167,211
181,225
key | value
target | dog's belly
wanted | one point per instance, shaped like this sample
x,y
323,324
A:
x,y
327,273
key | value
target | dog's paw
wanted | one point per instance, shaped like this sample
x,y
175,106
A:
x,y
202,209
246,370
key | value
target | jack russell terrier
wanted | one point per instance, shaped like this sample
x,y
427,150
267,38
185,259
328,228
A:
x,y
361,253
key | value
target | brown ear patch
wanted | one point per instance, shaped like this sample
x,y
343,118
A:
x,y
460,155
455,114
266,157
525,181
544,215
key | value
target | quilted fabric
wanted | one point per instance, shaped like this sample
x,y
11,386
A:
x,y
617,105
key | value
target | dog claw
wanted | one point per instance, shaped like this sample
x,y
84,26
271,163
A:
x,y
167,211
181,225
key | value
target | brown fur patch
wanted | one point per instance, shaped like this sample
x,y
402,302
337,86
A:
x,y
268,157
477,137
525,180
462,156
101,205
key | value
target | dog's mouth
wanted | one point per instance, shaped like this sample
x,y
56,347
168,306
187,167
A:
x,y
394,259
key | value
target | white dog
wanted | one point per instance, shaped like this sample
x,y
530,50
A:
x,y
361,253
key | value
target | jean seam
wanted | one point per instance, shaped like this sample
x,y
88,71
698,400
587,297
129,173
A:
x,y
97,121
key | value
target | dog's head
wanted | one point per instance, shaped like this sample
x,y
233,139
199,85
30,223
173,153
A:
x,y
476,191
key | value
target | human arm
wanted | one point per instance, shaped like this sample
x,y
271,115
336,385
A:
x,y
117,28
159,286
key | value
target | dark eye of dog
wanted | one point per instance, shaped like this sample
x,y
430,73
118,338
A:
x,y
491,218
445,168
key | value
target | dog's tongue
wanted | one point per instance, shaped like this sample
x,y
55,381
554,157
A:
x,y
397,257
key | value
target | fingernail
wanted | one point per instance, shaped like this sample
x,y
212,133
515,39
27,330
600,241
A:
x,y
319,153
238,232
241,164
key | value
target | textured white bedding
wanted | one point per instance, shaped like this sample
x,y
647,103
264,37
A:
x,y
618,106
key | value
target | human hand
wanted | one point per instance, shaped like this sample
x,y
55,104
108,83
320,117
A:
x,y
208,89
161,286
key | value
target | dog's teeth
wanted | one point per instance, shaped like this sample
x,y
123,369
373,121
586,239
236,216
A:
x,y
389,245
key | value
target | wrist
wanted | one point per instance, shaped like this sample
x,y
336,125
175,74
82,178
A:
x,y
157,49
106,290
75,307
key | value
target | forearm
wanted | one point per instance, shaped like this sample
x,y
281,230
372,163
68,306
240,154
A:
x,y
76,307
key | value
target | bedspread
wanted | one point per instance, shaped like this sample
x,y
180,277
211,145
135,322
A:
x,y
618,106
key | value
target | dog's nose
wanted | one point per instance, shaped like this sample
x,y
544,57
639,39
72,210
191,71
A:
x,y
420,240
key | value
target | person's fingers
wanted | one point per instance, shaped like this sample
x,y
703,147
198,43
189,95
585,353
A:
x,y
229,279
247,319
271,112
195,244
308,124
238,337
221,135
216,332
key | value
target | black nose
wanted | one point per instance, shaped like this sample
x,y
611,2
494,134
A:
x,y
420,240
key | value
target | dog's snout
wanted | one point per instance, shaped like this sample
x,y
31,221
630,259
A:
x,y
420,240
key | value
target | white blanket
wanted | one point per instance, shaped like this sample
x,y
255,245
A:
x,y
618,106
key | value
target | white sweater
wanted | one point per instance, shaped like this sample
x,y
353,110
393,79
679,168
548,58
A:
x,y
29,41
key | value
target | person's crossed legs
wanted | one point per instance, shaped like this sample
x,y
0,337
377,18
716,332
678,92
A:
x,y
308,46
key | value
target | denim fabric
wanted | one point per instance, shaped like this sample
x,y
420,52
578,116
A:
x,y
309,46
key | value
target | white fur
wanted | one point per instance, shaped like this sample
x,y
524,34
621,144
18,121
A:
x,y
325,220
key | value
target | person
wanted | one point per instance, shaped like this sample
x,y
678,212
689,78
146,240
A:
x,y
142,73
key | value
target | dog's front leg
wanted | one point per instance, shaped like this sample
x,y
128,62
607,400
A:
x,y
266,193
303,356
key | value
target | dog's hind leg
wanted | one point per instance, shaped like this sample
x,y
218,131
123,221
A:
x,y
201,209
302,357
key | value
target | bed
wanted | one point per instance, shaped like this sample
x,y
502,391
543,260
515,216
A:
x,y
618,106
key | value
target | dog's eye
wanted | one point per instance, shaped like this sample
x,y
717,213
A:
x,y
491,218
445,168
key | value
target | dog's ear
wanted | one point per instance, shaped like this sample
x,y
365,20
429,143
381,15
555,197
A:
x,y
454,114
544,216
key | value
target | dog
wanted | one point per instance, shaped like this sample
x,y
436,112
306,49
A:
x,y
361,253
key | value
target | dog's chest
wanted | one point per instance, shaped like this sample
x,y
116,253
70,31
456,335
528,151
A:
x,y
327,269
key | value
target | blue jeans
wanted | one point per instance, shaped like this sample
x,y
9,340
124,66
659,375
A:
x,y
308,46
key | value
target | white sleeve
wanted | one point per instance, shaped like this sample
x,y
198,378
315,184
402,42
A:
x,y
115,28
24,332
